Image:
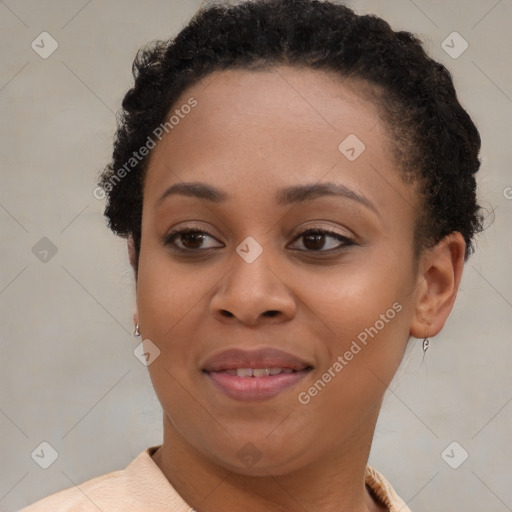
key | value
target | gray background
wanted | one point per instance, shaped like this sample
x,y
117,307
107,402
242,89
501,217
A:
x,y
69,376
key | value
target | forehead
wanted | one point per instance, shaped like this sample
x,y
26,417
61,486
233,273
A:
x,y
265,129
299,98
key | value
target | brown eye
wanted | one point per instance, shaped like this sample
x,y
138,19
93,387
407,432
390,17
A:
x,y
321,240
190,240
314,241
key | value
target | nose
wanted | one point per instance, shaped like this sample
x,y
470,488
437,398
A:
x,y
253,293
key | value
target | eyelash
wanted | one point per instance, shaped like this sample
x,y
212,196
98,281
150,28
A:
x,y
345,241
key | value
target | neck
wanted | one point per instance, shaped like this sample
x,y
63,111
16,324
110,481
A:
x,y
334,483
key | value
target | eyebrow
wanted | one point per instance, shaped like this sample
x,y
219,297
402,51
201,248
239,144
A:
x,y
285,196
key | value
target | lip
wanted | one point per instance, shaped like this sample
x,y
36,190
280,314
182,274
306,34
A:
x,y
254,388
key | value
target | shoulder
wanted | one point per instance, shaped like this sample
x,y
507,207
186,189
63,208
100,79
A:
x,y
383,491
80,498
140,486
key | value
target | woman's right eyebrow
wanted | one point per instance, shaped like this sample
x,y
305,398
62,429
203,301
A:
x,y
194,189
285,196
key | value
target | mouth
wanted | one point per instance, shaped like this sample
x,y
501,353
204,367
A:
x,y
255,374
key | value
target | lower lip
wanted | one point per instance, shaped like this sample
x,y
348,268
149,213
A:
x,y
255,388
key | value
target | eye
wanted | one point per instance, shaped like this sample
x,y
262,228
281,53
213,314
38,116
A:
x,y
316,240
323,240
191,239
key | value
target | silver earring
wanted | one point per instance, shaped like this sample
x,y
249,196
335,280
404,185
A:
x,y
136,331
426,344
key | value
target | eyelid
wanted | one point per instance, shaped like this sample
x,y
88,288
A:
x,y
325,226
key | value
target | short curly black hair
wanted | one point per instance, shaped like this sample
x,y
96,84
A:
x,y
434,138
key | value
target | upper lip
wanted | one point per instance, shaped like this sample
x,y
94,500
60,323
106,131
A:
x,y
265,357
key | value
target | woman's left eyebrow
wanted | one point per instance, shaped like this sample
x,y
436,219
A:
x,y
284,196
307,192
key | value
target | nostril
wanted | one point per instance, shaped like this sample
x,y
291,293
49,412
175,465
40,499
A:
x,y
270,313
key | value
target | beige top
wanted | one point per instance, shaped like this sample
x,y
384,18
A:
x,y
143,487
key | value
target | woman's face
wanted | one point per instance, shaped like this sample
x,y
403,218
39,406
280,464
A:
x,y
285,313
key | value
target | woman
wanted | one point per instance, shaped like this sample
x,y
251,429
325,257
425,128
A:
x,y
296,185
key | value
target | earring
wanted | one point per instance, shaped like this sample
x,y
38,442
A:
x,y
426,342
136,331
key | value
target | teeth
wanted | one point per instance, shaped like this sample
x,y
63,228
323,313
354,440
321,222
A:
x,y
258,372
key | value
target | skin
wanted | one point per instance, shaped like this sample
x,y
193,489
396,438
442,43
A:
x,y
252,133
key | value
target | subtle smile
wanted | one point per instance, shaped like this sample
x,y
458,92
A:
x,y
255,375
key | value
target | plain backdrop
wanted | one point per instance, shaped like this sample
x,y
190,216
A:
x,y
68,374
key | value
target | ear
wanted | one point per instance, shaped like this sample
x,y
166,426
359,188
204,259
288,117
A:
x,y
132,254
439,275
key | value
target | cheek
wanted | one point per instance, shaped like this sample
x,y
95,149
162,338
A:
x,y
169,299
362,313
171,302
168,294
347,301
366,334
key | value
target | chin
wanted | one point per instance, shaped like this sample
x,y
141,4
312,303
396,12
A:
x,y
251,461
